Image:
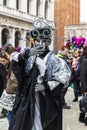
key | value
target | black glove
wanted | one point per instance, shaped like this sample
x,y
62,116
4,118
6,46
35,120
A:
x,y
25,53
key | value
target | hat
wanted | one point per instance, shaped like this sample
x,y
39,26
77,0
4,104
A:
x,y
76,52
5,47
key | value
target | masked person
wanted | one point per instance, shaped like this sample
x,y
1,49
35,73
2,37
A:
x,y
38,100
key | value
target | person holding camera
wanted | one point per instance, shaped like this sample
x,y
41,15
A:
x,y
3,77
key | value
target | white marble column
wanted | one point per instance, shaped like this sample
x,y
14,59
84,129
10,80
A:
x,y
42,8
23,39
1,2
13,37
9,35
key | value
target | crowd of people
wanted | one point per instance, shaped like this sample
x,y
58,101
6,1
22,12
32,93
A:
x,y
35,80
77,60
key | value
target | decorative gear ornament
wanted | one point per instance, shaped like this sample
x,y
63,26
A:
x,y
42,31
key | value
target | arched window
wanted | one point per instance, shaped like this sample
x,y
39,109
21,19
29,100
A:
x,y
5,34
17,38
17,4
46,9
5,2
38,8
28,6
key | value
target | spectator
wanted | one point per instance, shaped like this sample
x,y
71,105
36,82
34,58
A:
x,y
8,94
76,73
64,55
83,78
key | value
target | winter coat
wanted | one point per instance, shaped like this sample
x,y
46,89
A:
x,y
3,79
12,84
83,73
75,63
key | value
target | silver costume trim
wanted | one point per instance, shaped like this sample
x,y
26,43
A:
x,y
14,56
41,66
39,87
37,119
52,84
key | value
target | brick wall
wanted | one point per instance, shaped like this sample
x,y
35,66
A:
x,y
66,12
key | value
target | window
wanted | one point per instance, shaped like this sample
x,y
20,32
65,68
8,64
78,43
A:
x,y
29,6
38,8
46,9
17,38
17,4
5,2
5,34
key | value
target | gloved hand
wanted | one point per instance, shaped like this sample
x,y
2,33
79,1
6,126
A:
x,y
27,52
39,87
36,50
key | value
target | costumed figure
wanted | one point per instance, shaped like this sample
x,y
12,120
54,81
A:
x,y
38,104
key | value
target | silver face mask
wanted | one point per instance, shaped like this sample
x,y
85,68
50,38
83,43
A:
x,y
41,43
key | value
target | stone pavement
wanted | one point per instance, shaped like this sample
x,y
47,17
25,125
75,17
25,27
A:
x,y
3,123
70,117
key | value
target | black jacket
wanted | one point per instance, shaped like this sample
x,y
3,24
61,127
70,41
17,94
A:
x,y
3,79
83,73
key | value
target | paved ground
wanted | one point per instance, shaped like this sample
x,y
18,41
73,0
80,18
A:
x,y
70,117
3,124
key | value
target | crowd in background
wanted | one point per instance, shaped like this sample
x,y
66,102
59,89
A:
x,y
76,59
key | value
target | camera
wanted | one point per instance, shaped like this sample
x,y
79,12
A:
x,y
3,54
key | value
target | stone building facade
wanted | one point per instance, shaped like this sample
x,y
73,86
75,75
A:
x,y
66,12
75,30
17,16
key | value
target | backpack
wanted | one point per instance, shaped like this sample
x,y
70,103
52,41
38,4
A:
x,y
12,84
83,104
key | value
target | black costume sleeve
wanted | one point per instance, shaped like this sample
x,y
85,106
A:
x,y
3,79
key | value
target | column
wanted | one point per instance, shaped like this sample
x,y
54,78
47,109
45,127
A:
x,y
23,39
13,37
1,2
